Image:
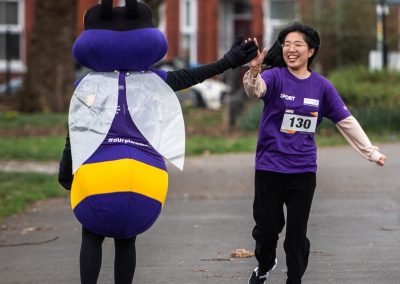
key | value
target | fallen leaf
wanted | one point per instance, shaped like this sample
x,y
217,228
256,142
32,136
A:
x,y
241,253
30,229
200,270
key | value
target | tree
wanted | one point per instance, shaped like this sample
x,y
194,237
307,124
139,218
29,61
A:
x,y
347,30
48,83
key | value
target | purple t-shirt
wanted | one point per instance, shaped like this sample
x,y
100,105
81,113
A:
x,y
293,108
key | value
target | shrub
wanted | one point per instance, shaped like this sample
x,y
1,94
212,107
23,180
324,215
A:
x,y
251,117
360,87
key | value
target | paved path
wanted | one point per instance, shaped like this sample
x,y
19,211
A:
x,y
354,227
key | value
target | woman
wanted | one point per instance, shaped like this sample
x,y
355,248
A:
x,y
295,101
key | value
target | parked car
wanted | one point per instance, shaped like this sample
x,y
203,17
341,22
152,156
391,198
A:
x,y
14,84
210,93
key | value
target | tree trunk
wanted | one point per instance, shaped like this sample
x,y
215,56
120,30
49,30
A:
x,y
48,83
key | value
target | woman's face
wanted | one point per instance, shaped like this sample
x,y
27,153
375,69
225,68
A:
x,y
296,52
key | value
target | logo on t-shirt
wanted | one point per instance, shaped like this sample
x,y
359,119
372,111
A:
x,y
311,102
287,97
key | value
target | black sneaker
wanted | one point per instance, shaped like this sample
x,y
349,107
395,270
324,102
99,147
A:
x,y
258,277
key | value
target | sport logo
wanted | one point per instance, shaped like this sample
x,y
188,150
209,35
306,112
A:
x,y
286,97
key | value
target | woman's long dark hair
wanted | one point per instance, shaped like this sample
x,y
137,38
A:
x,y
274,57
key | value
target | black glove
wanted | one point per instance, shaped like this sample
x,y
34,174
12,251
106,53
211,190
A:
x,y
239,53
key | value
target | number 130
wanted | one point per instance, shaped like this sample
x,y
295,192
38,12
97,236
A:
x,y
300,122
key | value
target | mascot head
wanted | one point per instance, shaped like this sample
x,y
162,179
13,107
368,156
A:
x,y
119,38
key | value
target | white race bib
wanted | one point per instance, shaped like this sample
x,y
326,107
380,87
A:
x,y
293,123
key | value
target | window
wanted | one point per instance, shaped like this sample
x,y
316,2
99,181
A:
x,y
241,7
188,23
11,27
9,46
278,14
8,13
234,18
282,9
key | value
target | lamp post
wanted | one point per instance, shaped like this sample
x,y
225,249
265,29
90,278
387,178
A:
x,y
382,10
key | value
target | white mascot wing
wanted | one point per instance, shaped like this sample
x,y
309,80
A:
x,y
157,113
91,112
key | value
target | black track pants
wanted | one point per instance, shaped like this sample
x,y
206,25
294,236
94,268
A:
x,y
273,191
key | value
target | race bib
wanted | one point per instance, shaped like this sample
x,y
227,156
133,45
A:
x,y
293,123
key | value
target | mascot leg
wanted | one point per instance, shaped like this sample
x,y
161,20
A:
x,y
125,260
90,256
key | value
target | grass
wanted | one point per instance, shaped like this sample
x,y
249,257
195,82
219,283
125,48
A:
x,y
41,137
13,120
18,190
31,148
50,148
47,148
202,118
197,145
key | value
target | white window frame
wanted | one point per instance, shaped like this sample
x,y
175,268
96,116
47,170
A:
x,y
226,19
225,26
162,24
16,65
271,24
189,30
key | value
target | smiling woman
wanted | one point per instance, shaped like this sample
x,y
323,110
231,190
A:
x,y
296,99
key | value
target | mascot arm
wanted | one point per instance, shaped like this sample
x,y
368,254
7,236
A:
x,y
239,54
185,78
65,176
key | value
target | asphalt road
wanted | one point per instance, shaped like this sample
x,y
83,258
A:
x,y
354,227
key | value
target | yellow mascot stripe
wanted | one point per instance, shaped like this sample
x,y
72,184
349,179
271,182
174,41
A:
x,y
123,175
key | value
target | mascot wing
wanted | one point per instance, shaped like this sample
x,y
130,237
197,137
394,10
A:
x,y
157,113
92,110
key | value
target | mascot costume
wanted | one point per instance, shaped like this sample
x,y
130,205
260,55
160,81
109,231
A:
x,y
124,119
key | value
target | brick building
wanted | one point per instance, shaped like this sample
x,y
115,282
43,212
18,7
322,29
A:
x,y
203,30
198,30
16,23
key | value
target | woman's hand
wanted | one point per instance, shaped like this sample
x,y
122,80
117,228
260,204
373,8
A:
x,y
255,63
381,161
